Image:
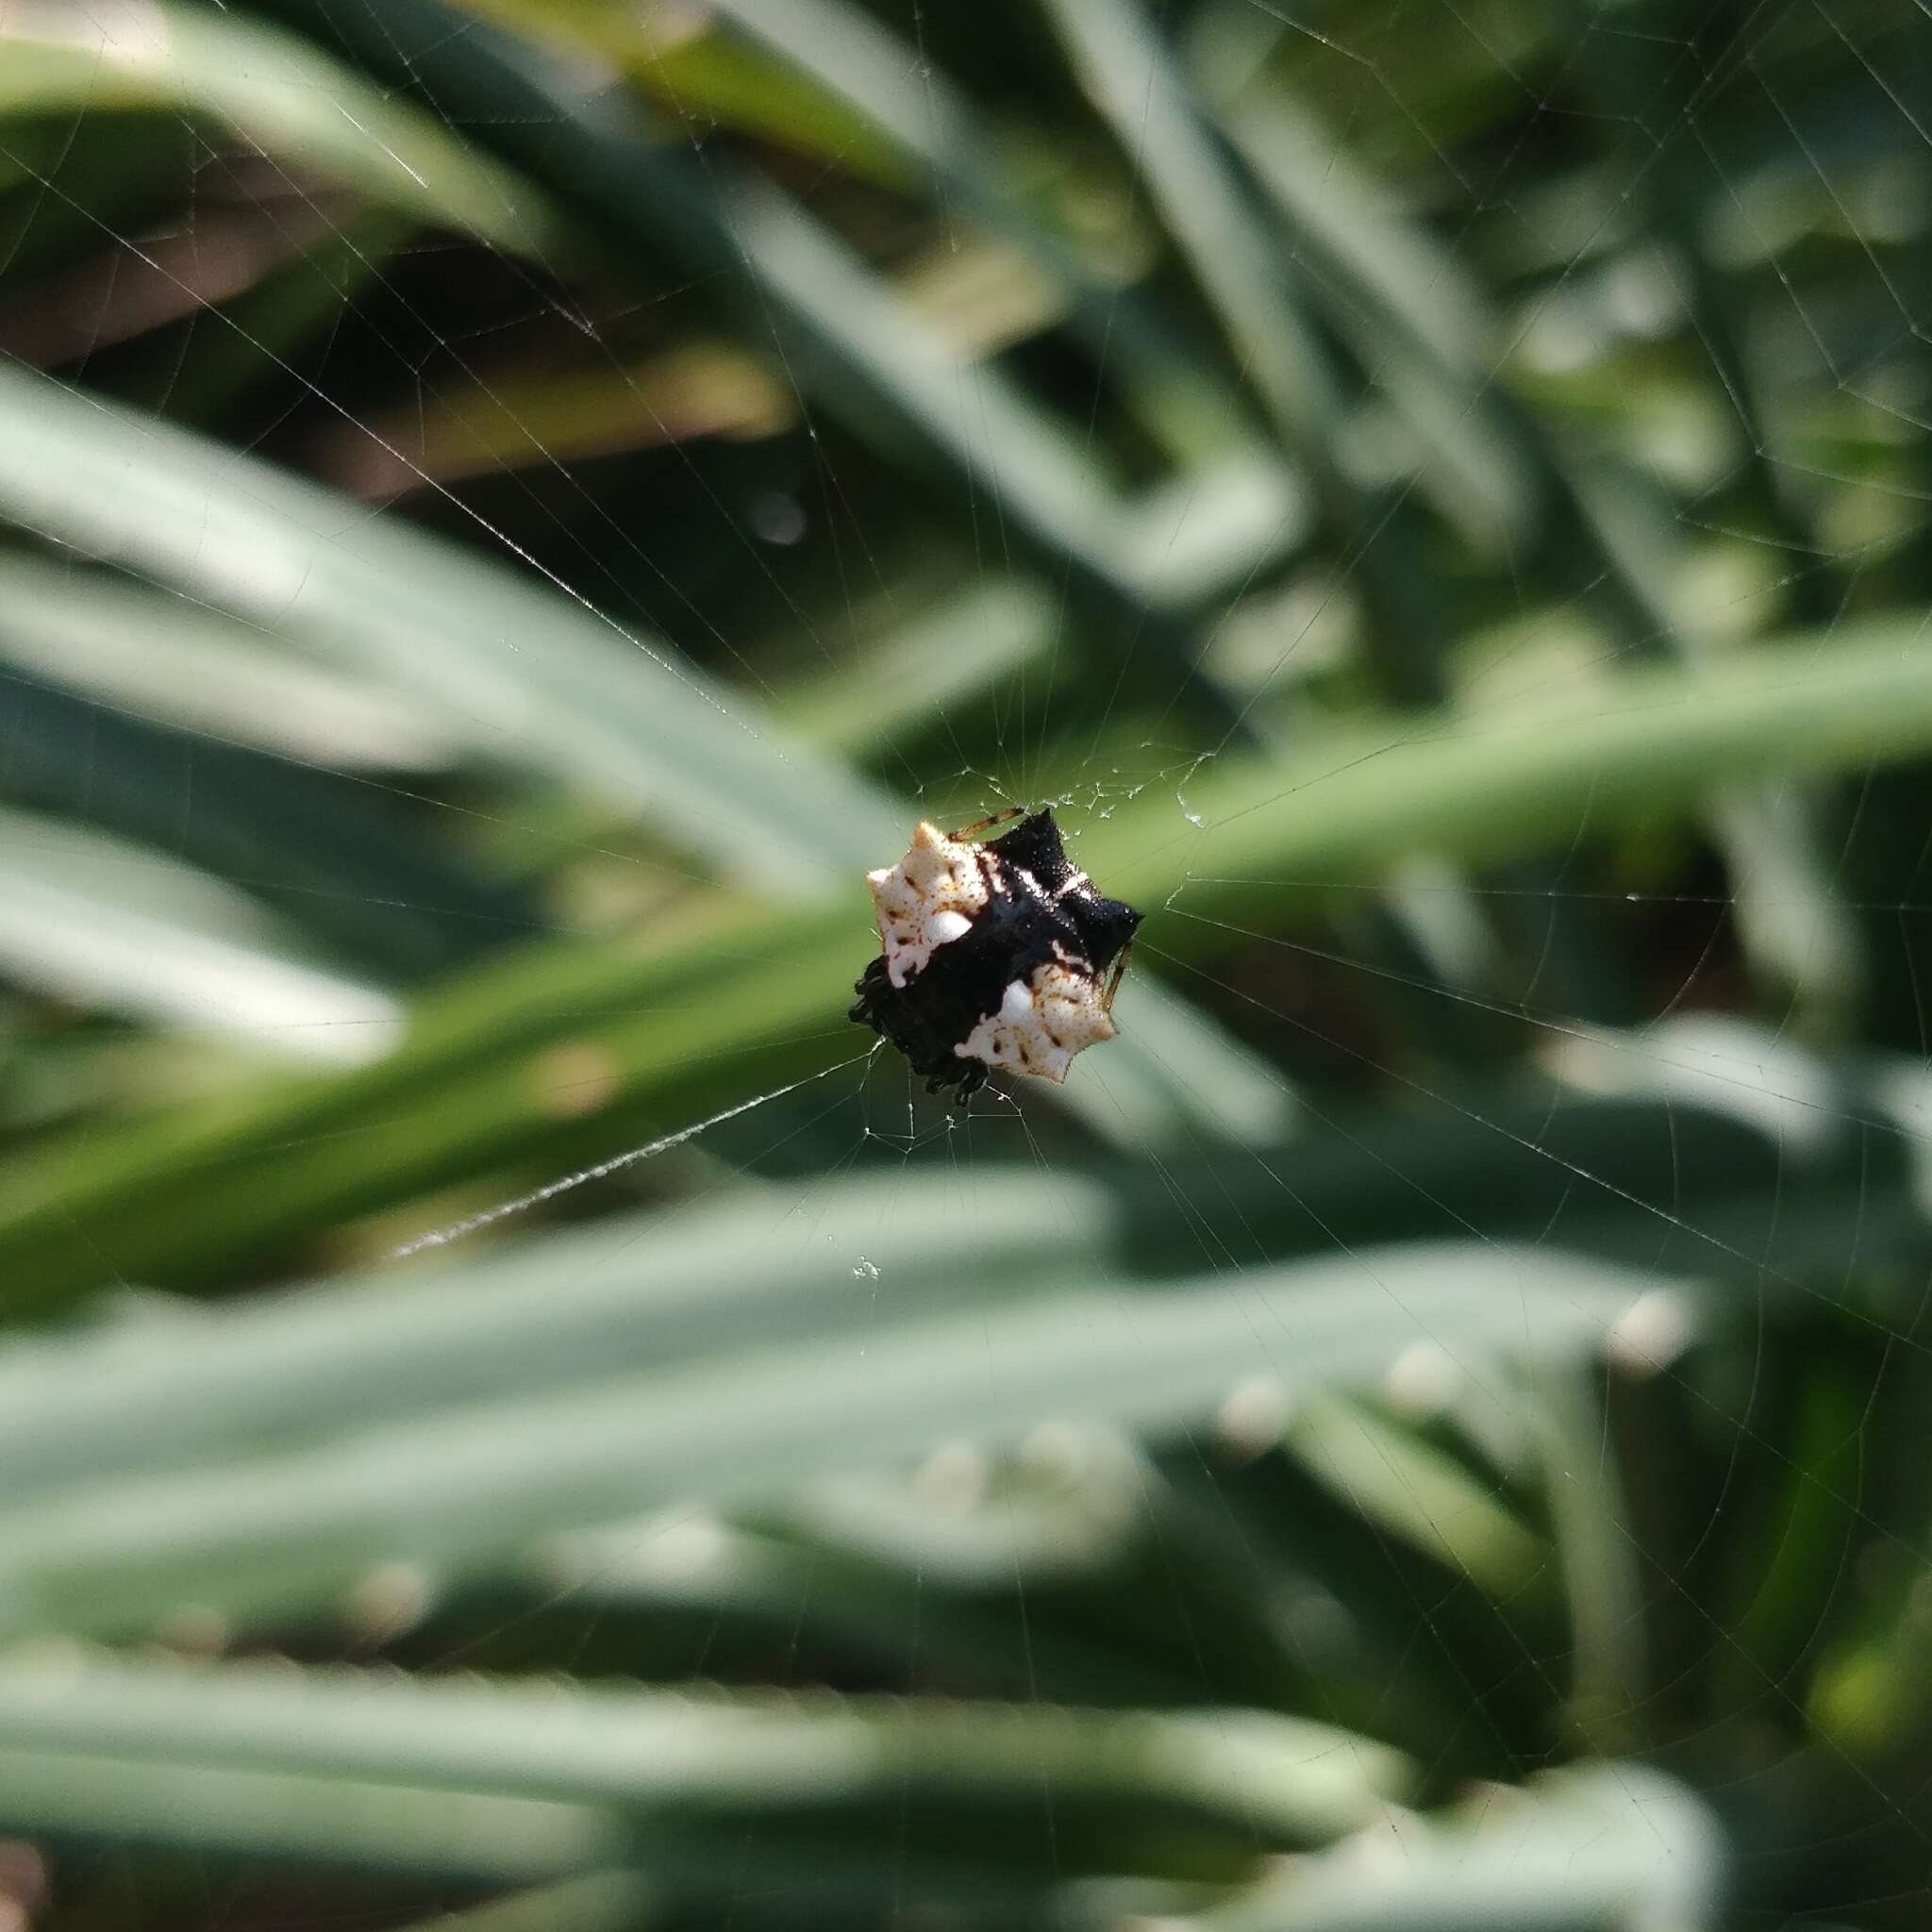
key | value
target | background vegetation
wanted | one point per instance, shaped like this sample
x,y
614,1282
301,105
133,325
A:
x,y
506,509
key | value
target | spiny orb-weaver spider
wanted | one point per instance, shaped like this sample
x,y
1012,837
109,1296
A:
x,y
999,954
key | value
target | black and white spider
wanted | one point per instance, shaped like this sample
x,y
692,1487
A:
x,y
996,955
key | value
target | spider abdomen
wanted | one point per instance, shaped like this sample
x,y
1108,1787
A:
x,y
996,956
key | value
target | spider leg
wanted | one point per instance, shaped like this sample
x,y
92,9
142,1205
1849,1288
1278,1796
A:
x,y
1113,978
999,818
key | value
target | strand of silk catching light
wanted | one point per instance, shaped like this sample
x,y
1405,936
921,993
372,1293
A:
x,y
443,1236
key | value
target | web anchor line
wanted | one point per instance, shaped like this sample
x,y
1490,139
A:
x,y
457,1230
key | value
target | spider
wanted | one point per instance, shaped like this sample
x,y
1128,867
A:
x,y
999,954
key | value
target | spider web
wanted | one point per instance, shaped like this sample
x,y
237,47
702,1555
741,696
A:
x,y
1263,1052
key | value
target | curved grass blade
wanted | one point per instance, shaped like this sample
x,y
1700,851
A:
x,y
283,96
840,326
465,1492
682,1785
478,1084
553,687
1592,1846
93,918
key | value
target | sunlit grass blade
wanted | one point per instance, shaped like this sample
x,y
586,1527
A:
x,y
702,1792
340,858
1571,764
1415,1491
478,1085
641,1290
837,325
947,151
702,1756
1134,82
285,96
1611,1844
91,917
1418,327
950,654
470,1490
549,684
183,664
135,1803
1605,1580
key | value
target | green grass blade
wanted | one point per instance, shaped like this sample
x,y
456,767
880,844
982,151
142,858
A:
x,y
557,689
340,859
691,1759
1600,1845
644,1289
604,1902
134,1804
1419,1493
471,1490
88,916
1133,81
473,1088
943,146
840,328
284,97
183,664
1529,777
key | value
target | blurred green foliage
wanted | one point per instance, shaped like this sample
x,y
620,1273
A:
x,y
506,509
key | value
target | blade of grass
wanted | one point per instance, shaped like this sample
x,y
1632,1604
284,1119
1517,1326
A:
x,y
553,686
282,96
1531,776
696,69
336,860
652,1292
689,1758
604,1902
475,1086
1598,1845
199,669
87,916
841,328
92,1798
943,145
1605,1574
468,1491
829,1594
1414,1489
1215,223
